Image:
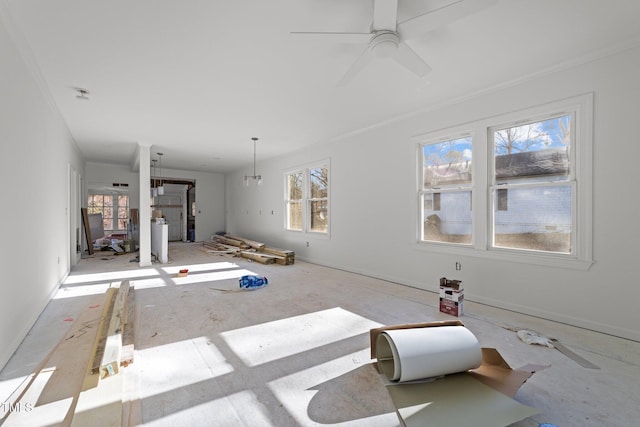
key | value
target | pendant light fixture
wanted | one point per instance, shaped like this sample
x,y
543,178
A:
x,y
161,186
256,178
154,190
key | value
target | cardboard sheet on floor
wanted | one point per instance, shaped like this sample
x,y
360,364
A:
x,y
478,397
455,400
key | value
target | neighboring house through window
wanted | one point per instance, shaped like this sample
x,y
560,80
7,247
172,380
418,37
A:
x,y
530,184
446,190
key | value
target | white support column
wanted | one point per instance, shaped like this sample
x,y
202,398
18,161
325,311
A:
x,y
144,161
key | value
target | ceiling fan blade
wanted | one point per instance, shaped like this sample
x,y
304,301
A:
x,y
385,13
439,17
362,61
333,37
406,57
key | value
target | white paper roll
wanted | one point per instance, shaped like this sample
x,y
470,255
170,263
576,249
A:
x,y
418,353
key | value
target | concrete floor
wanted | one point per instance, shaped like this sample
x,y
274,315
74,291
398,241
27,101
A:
x,y
296,353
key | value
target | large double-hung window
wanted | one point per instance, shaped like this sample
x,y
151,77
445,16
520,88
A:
x,y
446,190
533,185
514,186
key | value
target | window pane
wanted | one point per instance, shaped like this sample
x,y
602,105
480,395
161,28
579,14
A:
x,y
294,215
446,163
319,178
123,200
122,212
536,151
108,223
319,216
107,212
294,186
537,218
451,223
107,200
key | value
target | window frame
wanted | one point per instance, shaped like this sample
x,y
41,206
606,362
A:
x,y
442,188
495,187
307,200
581,109
115,208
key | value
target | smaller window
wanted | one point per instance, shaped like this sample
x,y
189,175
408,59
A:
x,y
436,201
294,201
114,210
307,199
503,199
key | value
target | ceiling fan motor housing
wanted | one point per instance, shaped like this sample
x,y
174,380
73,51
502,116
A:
x,y
384,44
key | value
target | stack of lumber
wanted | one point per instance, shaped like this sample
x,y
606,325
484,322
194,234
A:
x,y
215,247
78,382
250,249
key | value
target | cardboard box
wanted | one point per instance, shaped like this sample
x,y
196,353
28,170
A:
x,y
481,396
453,308
451,296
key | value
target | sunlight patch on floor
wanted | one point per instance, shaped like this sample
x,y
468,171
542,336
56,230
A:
x,y
83,290
26,412
168,367
193,268
110,275
275,340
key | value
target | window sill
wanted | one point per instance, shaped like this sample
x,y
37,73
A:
x,y
546,260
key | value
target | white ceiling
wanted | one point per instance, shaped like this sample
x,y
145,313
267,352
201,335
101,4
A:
x,y
198,78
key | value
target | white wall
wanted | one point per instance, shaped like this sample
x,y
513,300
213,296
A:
x,y
210,188
37,154
373,204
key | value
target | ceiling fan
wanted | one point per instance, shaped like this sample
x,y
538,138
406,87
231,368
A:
x,y
387,36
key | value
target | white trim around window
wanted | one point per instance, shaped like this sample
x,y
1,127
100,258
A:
x,y
307,198
579,182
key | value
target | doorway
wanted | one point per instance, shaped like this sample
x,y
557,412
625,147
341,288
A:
x,y
175,205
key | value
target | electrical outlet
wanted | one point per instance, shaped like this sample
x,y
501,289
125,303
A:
x,y
307,244
458,266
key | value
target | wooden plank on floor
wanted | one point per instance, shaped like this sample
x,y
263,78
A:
x,y
128,332
258,257
110,364
53,389
252,243
101,338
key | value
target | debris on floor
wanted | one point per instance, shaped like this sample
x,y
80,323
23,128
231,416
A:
x,y
467,376
256,251
531,337
253,282
83,367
